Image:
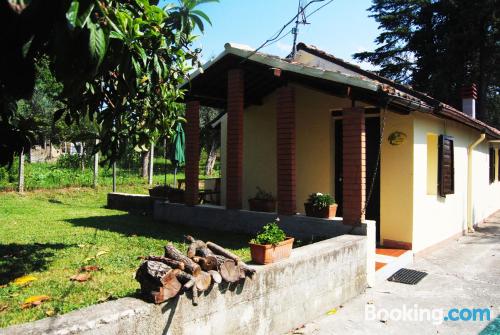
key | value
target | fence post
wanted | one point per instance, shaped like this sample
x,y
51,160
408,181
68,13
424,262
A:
x,y
114,177
96,165
20,186
151,162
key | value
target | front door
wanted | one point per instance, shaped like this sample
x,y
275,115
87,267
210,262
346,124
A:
x,y
372,129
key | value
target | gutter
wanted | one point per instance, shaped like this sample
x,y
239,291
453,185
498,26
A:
x,y
470,151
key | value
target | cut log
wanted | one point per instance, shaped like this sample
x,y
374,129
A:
x,y
189,265
185,279
227,269
170,262
158,281
198,248
203,281
217,249
207,263
195,296
216,277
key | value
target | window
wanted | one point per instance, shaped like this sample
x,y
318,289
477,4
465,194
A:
x,y
446,166
492,165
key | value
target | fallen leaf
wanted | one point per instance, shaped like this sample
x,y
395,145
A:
x,y
102,252
81,277
3,307
331,311
90,268
3,286
50,312
35,300
21,281
88,259
82,245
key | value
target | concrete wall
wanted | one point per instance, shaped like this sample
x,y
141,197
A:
x,y
131,202
396,180
436,218
284,295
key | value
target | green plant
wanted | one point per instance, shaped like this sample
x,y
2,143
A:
x,y
263,195
320,200
271,233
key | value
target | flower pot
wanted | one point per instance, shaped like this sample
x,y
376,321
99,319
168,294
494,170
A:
x,y
262,205
325,212
268,253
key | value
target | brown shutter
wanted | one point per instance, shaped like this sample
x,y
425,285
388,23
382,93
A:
x,y
492,165
446,166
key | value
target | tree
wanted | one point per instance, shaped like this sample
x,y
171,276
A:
x,y
438,46
209,137
120,63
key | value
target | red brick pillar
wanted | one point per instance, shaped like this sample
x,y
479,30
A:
x,y
285,126
192,151
354,165
234,168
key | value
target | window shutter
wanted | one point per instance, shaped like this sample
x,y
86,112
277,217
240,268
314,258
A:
x,y
446,166
492,165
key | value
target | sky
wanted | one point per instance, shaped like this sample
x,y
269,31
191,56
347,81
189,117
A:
x,y
341,28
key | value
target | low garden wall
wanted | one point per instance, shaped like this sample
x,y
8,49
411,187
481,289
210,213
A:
x,y
137,203
281,296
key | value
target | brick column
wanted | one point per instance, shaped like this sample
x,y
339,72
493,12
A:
x,y
354,165
192,152
285,129
234,165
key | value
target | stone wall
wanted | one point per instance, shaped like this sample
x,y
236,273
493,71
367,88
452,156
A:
x,y
282,296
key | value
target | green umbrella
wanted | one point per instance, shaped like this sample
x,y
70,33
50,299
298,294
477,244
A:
x,y
177,151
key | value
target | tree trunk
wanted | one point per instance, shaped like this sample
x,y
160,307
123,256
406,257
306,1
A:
x,y
211,158
151,163
82,153
96,167
20,185
114,177
145,161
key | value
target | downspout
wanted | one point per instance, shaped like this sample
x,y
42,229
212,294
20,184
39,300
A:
x,y
470,150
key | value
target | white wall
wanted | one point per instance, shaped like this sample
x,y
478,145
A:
x,y
437,218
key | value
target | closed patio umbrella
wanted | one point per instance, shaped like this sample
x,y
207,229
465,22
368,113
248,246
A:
x,y
177,151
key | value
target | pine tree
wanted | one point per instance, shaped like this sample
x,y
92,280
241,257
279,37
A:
x,y
437,46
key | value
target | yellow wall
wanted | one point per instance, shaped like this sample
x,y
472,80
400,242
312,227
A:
x,y
259,149
396,179
437,218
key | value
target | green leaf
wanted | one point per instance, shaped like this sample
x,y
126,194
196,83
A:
x,y
203,15
97,43
72,13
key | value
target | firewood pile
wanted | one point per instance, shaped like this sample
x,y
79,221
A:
x,y
164,277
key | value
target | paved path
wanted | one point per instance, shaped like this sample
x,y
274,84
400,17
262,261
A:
x,y
463,274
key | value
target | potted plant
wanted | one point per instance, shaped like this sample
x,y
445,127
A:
x,y
321,206
271,244
172,194
262,202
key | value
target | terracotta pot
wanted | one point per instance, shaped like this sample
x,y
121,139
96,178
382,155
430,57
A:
x,y
262,205
325,213
268,253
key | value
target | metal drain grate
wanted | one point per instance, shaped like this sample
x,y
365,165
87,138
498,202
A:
x,y
407,276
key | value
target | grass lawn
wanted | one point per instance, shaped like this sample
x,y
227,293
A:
x,y
51,234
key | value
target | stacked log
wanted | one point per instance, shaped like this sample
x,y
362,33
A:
x,y
164,277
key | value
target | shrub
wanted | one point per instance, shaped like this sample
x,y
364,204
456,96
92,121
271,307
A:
x,y
271,233
263,195
320,200
68,161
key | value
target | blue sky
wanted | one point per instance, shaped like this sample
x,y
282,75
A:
x,y
341,28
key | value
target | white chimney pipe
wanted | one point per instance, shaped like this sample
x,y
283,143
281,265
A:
x,y
469,97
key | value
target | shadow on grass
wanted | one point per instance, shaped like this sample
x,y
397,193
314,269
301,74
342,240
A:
x,y
17,260
136,225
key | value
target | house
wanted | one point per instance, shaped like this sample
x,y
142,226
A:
x,y
315,123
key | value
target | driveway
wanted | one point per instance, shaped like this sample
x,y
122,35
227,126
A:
x,y
463,274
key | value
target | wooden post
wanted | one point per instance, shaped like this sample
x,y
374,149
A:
x,y
20,186
114,177
151,161
96,167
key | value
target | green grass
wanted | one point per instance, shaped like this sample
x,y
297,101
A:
x,y
51,234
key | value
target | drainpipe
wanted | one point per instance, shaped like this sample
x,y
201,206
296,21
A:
x,y
470,150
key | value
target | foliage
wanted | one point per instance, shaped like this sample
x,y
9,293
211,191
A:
x,y
263,195
120,63
51,235
68,161
271,233
320,200
440,45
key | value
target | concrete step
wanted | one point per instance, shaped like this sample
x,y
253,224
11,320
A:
x,y
387,265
